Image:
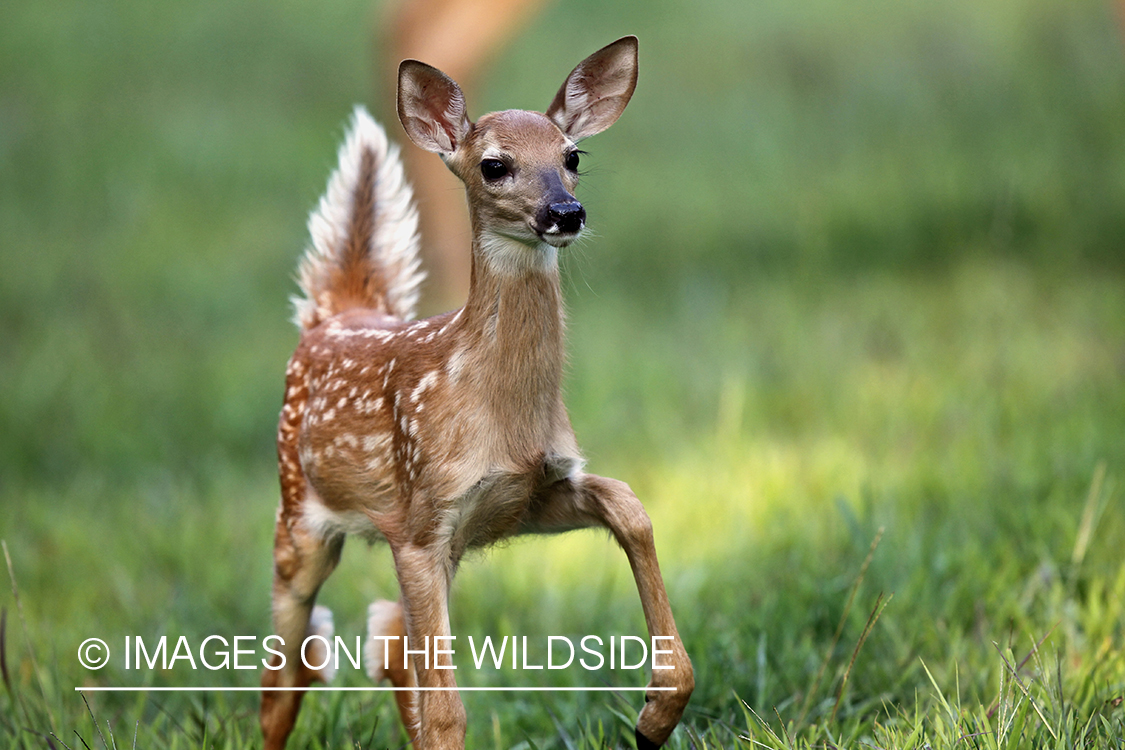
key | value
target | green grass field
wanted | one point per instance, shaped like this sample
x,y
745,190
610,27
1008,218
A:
x,y
851,323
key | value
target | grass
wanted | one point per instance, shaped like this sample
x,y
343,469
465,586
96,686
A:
x,y
858,277
992,539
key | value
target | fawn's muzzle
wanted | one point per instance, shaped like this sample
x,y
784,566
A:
x,y
565,217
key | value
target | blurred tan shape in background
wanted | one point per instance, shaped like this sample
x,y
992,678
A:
x,y
458,37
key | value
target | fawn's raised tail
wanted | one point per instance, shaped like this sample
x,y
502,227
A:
x,y
364,250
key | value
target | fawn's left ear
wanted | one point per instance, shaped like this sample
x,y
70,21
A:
x,y
431,107
596,92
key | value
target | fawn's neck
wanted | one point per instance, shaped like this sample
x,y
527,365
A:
x,y
514,323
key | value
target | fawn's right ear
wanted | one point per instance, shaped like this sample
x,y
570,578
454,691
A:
x,y
431,107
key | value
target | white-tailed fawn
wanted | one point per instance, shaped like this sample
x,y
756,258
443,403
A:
x,y
445,434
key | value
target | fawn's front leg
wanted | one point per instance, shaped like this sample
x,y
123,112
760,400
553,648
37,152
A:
x,y
424,575
589,500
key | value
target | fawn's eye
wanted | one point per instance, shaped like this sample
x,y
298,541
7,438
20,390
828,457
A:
x,y
493,169
572,161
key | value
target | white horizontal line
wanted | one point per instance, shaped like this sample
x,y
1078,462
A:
x,y
323,689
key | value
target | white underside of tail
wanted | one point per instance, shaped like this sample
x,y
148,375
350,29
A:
x,y
382,620
320,623
394,243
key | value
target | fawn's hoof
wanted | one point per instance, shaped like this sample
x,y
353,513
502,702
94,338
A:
x,y
644,743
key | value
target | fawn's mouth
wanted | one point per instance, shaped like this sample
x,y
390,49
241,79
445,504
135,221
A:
x,y
555,237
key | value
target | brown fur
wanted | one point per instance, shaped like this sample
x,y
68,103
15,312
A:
x,y
450,433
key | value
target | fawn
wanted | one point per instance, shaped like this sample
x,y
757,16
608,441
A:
x,y
448,433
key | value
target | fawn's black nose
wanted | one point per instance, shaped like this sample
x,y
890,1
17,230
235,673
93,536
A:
x,y
568,216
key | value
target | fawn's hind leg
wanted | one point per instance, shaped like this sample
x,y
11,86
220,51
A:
x,y
385,656
302,562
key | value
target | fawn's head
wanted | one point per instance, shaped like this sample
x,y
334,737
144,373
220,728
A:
x,y
520,168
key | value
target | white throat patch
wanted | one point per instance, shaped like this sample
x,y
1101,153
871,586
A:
x,y
510,257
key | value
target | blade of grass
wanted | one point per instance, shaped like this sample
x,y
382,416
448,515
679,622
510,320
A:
x,y
61,742
4,651
872,618
839,629
1023,663
1019,683
26,637
1091,513
95,720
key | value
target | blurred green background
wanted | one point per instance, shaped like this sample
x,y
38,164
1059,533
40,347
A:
x,y
854,265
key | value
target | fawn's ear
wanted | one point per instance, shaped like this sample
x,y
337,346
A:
x,y
431,107
596,92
